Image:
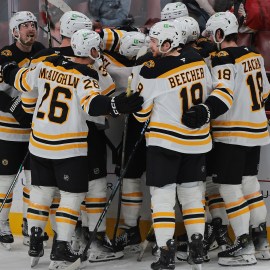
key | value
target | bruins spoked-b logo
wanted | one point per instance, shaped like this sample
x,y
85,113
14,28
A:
x,y
4,162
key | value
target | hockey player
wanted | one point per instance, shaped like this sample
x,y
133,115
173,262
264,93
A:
x,y
68,92
239,128
15,125
120,66
174,10
170,85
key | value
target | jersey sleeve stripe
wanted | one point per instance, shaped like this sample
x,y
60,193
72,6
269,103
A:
x,y
109,91
226,98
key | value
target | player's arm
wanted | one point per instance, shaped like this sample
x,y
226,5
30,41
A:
x,y
220,99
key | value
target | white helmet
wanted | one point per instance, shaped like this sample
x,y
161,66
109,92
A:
x,y
163,31
83,41
21,17
225,21
173,11
191,26
131,43
182,30
73,21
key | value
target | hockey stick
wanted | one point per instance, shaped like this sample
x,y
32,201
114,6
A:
x,y
128,93
14,181
78,262
45,31
48,24
145,243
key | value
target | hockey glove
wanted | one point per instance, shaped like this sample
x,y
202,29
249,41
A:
x,y
14,107
197,116
6,70
123,104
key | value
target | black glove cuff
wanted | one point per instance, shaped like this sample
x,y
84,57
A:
x,y
114,112
208,113
14,104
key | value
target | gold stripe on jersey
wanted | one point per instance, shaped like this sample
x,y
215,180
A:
x,y
144,114
109,91
120,33
41,58
18,79
29,104
62,147
223,96
265,96
15,130
72,135
221,85
7,119
246,56
114,61
238,124
108,38
178,135
86,103
24,62
185,67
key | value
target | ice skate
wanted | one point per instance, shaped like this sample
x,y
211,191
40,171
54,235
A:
x,y
242,252
36,245
26,238
167,257
129,240
76,238
182,247
62,255
6,237
150,239
101,249
259,237
196,252
221,234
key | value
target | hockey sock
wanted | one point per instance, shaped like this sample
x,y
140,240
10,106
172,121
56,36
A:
x,y
39,206
5,183
190,196
131,201
84,215
215,202
67,214
236,208
163,216
253,195
26,191
95,200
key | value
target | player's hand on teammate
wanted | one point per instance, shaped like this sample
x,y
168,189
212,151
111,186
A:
x,y
126,104
196,116
6,69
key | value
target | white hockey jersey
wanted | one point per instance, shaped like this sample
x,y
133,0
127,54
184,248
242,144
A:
x,y
170,86
65,91
240,82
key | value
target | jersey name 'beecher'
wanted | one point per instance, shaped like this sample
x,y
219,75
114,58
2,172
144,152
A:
x,y
188,76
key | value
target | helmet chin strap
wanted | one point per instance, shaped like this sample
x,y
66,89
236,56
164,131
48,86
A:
x,y
218,42
95,58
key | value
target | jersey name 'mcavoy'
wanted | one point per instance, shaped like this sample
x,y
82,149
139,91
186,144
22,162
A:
x,y
188,76
53,75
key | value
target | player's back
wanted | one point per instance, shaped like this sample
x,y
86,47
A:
x,y
59,122
241,71
173,84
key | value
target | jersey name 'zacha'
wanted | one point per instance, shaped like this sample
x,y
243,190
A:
x,y
65,91
170,86
240,82
10,129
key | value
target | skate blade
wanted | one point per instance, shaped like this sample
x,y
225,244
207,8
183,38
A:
x,y
58,265
262,255
213,246
196,267
143,247
206,258
237,261
7,246
34,261
132,249
75,245
104,257
181,256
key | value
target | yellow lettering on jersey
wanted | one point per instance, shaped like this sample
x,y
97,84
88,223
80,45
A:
x,y
251,64
184,77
